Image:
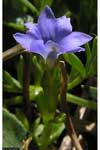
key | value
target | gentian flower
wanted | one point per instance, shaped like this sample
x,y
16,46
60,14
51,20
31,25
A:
x,y
51,36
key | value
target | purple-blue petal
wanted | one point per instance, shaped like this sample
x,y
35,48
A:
x,y
38,47
30,44
63,27
51,37
24,39
33,29
73,40
52,28
78,49
46,24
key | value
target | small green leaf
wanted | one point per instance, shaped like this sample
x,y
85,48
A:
x,y
35,124
75,82
88,51
51,132
91,91
73,74
21,116
61,117
94,47
88,56
81,101
93,64
13,130
15,26
38,131
14,100
57,128
75,62
34,92
38,69
30,6
12,89
10,83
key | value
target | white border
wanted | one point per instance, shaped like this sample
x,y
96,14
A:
x,y
0,74
98,137
98,98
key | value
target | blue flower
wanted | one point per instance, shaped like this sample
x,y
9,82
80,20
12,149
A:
x,y
51,36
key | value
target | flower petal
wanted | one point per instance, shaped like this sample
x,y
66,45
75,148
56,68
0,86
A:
x,y
46,24
64,27
38,47
24,39
78,49
30,44
53,50
33,29
73,41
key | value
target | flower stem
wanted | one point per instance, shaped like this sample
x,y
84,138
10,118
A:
x,y
64,107
16,50
26,81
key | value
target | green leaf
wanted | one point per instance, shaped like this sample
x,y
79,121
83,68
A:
x,y
14,100
38,69
93,64
21,116
57,128
81,101
88,51
94,47
35,124
75,82
9,88
15,26
91,91
75,62
34,92
30,6
38,131
73,74
61,117
51,132
10,83
13,130
88,56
